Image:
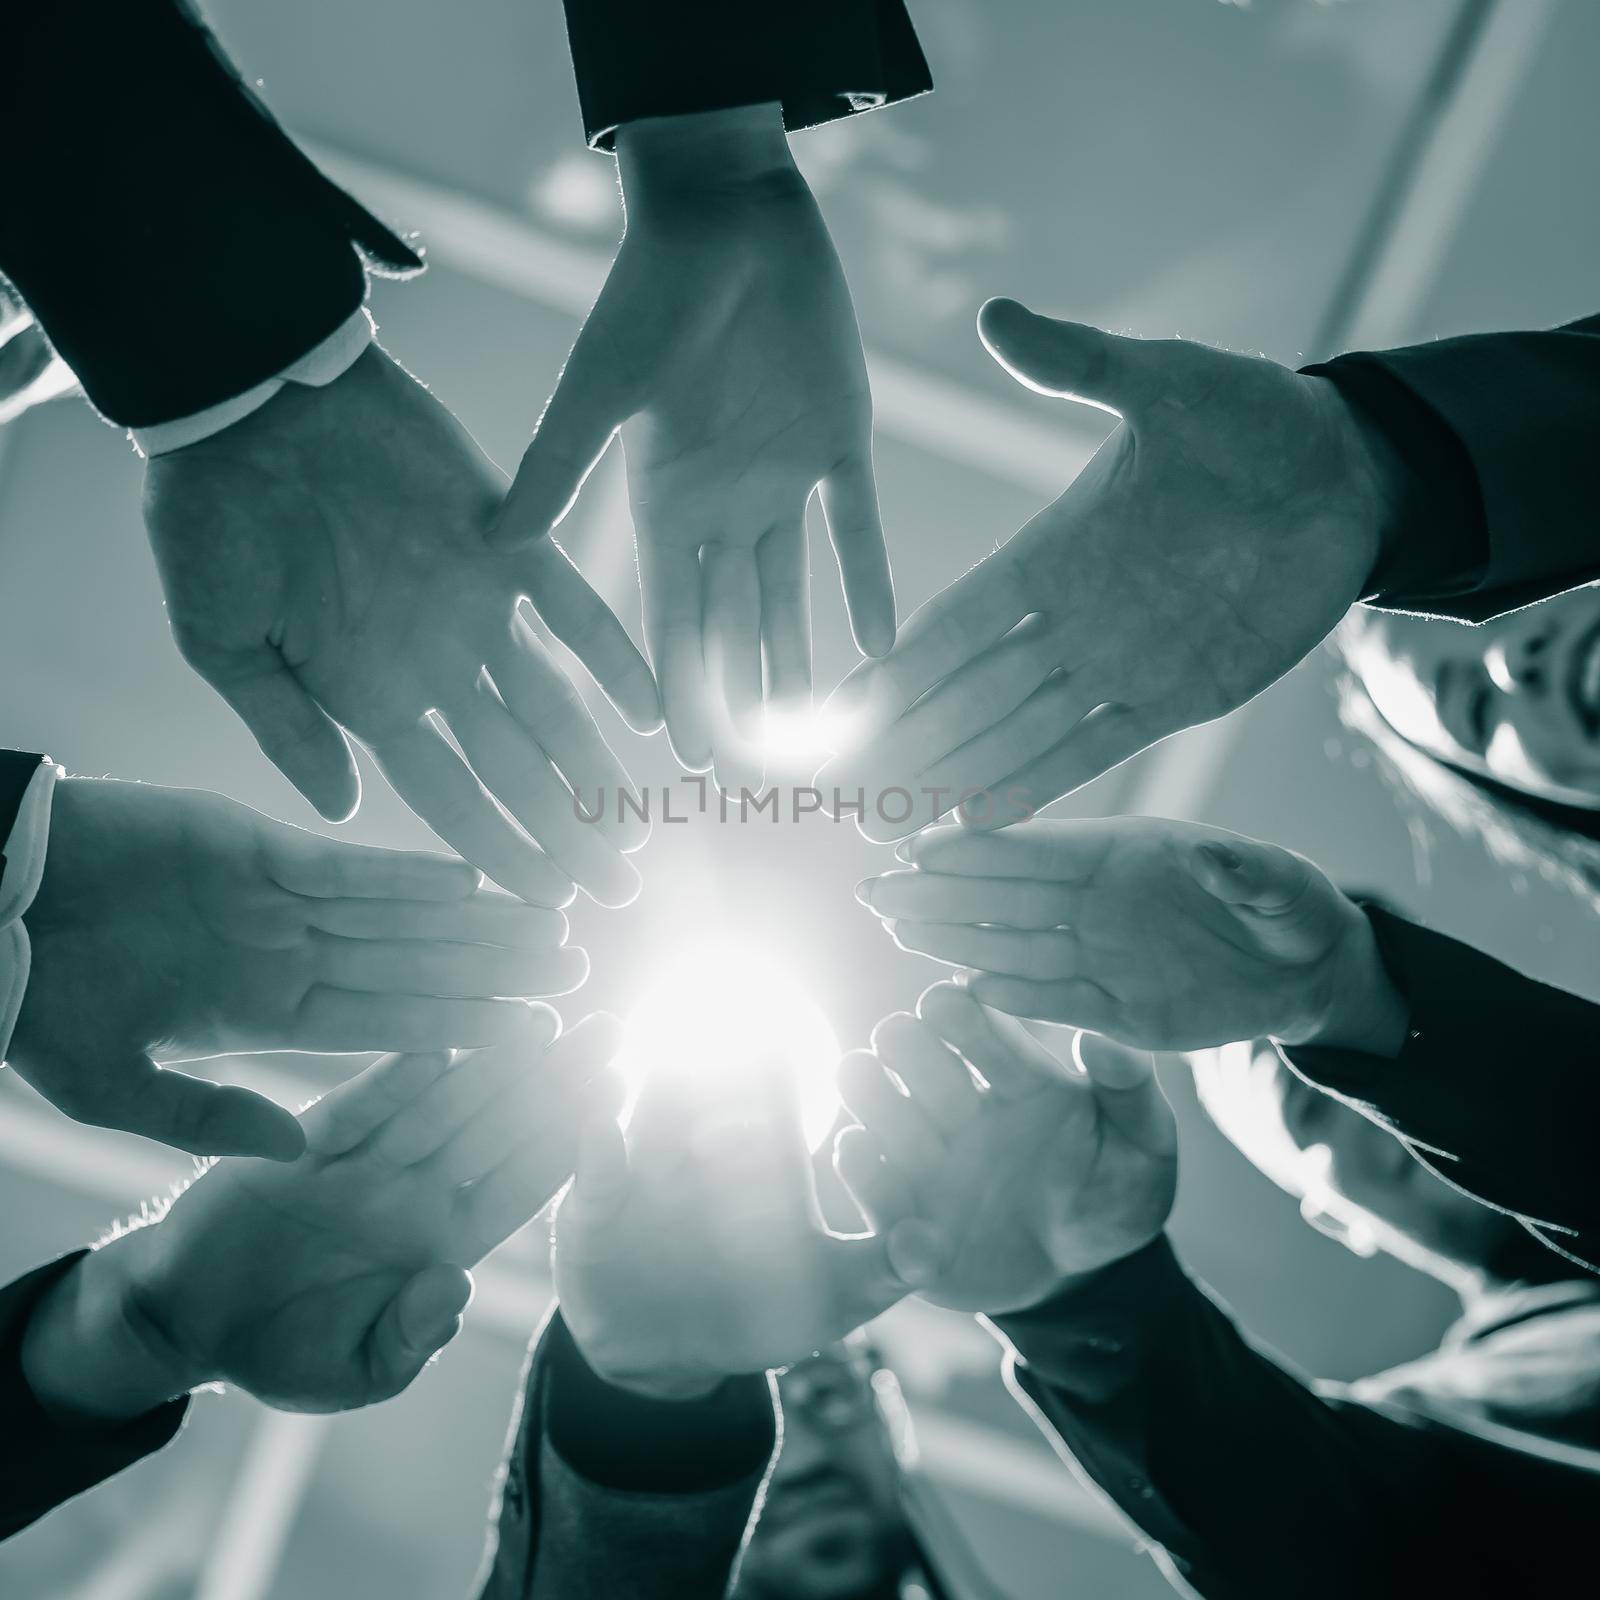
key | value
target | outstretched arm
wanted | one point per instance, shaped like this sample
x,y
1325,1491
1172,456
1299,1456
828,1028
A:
x,y
319,1285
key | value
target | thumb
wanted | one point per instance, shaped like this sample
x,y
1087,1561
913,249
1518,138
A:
x,y
419,1322
591,401
295,734
600,1181
1254,876
917,1253
1127,1092
204,1118
1070,359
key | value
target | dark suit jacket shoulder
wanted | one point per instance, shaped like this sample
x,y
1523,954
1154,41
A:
x,y
42,1461
173,243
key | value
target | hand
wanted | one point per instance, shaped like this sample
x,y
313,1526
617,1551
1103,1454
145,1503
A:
x,y
328,1284
725,346
325,571
992,1196
173,925
1165,935
693,1250
1215,538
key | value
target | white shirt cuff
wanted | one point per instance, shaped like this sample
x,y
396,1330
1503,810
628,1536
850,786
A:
x,y
331,359
24,853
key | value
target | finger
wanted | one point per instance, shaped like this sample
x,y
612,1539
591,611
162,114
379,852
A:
x,y
983,781
487,918
204,1118
970,703
418,1323
515,770
1066,852
533,1115
733,622
908,1138
1125,1083
935,1077
1042,957
1078,1001
542,699
593,398
525,1183
341,1020
295,734
350,1113
329,869
850,503
1010,1060
380,968
952,629
600,1182
858,1281
883,1196
783,567
571,609
433,780
1071,359
669,576
924,896
1105,738
1243,872
476,1078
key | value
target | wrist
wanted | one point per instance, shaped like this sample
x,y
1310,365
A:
x,y
710,151
96,1351
1375,474
1365,1010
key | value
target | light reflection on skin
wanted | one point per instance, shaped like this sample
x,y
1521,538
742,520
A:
x,y
1516,699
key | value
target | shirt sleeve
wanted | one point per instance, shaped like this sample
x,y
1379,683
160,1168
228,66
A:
x,y
1496,1088
1497,430
606,1493
823,59
1252,1482
45,1462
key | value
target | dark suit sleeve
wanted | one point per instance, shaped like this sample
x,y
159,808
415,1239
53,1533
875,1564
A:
x,y
664,58
1497,1087
1254,1483
42,1461
1498,430
17,770
176,247
604,1493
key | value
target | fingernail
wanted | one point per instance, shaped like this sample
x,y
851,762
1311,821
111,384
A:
x,y
902,851
864,891
1221,856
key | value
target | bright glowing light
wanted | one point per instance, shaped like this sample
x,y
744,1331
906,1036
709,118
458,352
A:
x,y
716,1008
803,736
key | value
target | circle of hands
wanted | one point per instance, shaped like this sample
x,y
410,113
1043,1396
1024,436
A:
x,y
347,565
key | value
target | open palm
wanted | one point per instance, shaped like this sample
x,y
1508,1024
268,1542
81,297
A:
x,y
298,1282
174,925
1040,1173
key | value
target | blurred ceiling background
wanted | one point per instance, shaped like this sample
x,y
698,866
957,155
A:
x,y
1288,177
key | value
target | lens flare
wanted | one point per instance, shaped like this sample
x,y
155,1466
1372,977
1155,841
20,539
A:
x,y
717,1007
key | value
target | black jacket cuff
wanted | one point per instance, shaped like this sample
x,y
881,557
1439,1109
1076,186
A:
x,y
45,1462
623,1441
823,60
